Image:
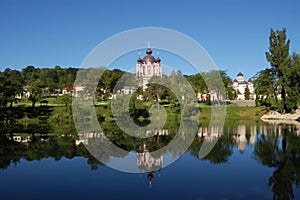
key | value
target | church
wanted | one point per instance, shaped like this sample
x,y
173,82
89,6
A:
x,y
147,67
239,85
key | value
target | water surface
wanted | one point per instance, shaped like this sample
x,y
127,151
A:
x,y
256,161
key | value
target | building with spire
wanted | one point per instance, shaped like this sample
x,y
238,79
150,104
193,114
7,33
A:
x,y
239,85
147,68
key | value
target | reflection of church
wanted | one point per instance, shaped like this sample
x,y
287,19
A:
x,y
147,67
241,137
147,163
210,133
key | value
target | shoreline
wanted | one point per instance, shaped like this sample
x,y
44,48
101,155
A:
x,y
274,115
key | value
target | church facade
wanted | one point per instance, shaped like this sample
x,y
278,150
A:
x,y
147,68
239,85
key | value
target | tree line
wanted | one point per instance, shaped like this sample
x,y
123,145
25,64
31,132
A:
x,y
46,81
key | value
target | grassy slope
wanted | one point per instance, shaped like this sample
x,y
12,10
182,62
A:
x,y
233,112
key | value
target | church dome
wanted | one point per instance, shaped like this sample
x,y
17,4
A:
x,y
158,60
148,51
240,74
149,57
139,60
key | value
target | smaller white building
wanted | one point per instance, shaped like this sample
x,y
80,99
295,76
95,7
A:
x,y
239,85
128,90
65,91
25,94
77,89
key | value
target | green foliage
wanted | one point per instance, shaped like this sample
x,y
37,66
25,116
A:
x,y
197,82
247,93
283,155
61,121
65,99
293,84
280,80
219,154
137,108
156,92
212,80
278,56
231,93
265,83
10,86
45,147
52,79
35,92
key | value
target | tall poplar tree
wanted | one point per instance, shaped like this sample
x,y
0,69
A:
x,y
278,56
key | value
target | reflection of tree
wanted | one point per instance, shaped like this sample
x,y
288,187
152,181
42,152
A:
x,y
43,147
219,154
282,180
265,150
283,154
10,152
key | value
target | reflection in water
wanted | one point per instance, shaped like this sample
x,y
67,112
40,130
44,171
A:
x,y
19,138
222,148
17,147
242,138
279,147
84,137
146,162
275,146
210,133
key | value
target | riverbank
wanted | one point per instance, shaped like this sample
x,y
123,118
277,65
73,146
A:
x,y
234,113
274,115
57,118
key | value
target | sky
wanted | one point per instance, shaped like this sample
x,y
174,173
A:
x,y
235,33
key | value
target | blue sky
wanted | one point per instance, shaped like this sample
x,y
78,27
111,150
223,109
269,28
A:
x,y
62,32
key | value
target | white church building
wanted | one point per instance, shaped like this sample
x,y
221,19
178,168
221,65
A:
x,y
240,85
147,67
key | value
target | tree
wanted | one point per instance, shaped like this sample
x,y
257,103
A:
x,y
35,92
247,93
278,56
217,80
156,91
10,86
197,82
265,87
28,74
65,99
293,85
231,93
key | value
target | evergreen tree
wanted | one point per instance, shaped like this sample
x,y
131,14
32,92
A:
x,y
278,56
247,93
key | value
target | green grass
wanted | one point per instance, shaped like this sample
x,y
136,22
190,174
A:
x,y
27,103
234,113
56,120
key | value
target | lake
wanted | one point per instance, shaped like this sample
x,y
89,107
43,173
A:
x,y
249,161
